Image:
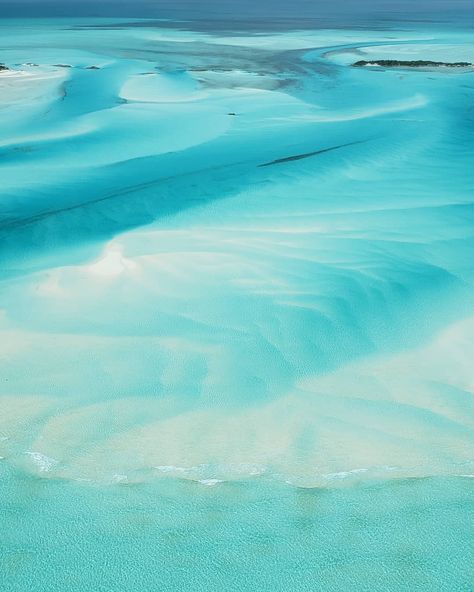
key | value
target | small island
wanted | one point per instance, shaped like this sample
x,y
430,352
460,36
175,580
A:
x,y
411,64
3,68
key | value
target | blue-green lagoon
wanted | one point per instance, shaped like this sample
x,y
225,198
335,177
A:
x,y
236,307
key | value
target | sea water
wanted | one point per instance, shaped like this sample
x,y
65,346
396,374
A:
x,y
236,307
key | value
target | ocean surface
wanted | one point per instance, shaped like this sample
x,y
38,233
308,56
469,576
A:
x,y
236,305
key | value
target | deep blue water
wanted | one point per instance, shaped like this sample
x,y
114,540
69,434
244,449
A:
x,y
267,13
236,311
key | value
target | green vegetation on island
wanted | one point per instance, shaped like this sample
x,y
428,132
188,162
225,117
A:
x,y
411,64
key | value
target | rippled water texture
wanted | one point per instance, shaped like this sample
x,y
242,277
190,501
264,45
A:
x,y
236,309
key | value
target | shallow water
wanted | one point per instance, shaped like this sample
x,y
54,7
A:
x,y
236,312
183,536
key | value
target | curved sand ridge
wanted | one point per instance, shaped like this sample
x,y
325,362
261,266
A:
x,y
313,327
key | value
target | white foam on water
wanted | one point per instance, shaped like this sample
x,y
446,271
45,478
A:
x,y
344,474
43,463
118,478
172,469
210,482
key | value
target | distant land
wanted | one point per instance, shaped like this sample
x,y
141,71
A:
x,y
411,64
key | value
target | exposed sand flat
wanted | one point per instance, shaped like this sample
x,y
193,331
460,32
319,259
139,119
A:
x,y
25,94
162,88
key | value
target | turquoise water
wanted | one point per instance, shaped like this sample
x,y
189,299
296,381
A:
x,y
236,308
410,535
